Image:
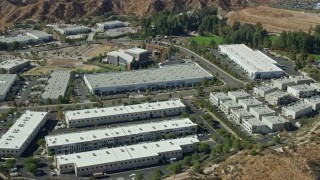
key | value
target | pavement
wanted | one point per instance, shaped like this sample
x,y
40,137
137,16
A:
x,y
27,91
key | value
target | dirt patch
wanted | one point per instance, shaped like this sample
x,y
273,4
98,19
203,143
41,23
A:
x,y
276,20
103,48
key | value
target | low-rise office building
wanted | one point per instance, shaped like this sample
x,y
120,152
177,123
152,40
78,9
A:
x,y
216,98
125,58
301,91
122,135
73,30
239,114
15,141
249,102
227,105
283,83
110,24
254,125
236,95
263,90
28,38
301,79
278,98
275,123
296,110
117,114
14,65
56,85
254,63
314,102
6,82
125,157
260,111
164,77
316,86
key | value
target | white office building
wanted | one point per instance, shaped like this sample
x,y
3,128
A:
x,y
260,111
236,95
6,82
125,157
15,141
263,90
14,65
254,63
314,102
121,135
296,110
249,102
117,114
283,83
239,114
301,91
164,77
227,105
254,125
301,79
278,98
73,30
216,97
56,85
275,123
110,24
28,38
316,86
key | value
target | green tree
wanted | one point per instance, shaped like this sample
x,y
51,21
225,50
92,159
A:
x,y
196,167
169,136
199,90
276,139
60,99
204,147
236,144
3,71
10,163
156,175
48,101
30,167
184,114
187,160
148,91
175,167
195,157
139,176
41,142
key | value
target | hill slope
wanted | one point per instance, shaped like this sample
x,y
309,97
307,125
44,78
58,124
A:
x,y
14,10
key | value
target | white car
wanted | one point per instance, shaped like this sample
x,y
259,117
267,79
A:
x,y
132,175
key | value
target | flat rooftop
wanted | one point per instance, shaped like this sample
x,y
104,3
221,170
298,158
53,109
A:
x,y
109,111
297,107
220,95
6,80
72,28
250,101
15,137
56,85
8,64
38,34
121,131
283,80
238,94
121,54
299,78
241,112
302,87
253,121
262,110
264,88
255,60
230,103
111,22
274,119
277,94
315,99
317,84
181,72
136,50
124,153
